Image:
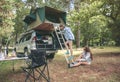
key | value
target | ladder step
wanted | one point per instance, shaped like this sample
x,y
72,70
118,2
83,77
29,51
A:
x,y
62,43
60,38
59,32
70,58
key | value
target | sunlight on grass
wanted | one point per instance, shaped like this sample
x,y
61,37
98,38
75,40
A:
x,y
105,49
97,50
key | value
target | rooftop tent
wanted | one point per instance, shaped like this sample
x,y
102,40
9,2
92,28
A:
x,y
51,14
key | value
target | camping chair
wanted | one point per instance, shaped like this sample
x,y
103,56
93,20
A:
x,y
37,67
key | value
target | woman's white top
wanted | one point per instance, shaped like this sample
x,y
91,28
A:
x,y
86,56
68,33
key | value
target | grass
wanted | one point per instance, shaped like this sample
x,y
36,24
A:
x,y
104,68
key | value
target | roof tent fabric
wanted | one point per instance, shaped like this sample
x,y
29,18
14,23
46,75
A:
x,y
44,26
41,13
51,14
54,15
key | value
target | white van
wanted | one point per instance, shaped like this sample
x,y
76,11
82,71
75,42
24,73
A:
x,y
41,40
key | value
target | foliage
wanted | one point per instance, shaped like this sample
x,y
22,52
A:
x,y
7,15
91,23
111,9
21,10
97,20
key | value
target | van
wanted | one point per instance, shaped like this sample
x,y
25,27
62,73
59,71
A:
x,y
41,40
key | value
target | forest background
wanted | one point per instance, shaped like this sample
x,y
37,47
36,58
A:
x,y
94,22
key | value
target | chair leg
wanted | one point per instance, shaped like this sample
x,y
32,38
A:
x,y
31,74
41,72
28,74
34,73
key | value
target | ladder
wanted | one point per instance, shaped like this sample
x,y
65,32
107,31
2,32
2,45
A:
x,y
61,40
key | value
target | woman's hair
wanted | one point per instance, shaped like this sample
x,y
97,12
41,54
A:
x,y
87,49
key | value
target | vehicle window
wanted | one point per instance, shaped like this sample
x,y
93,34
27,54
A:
x,y
28,36
21,40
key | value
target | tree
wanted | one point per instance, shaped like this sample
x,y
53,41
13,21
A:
x,y
6,16
111,9
89,19
21,10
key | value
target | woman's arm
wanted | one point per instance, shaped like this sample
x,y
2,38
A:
x,y
80,56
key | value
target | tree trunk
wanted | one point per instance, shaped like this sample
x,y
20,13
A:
x,y
78,38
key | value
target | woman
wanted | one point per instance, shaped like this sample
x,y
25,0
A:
x,y
69,36
84,59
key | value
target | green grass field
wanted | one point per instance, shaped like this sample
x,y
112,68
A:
x,y
104,68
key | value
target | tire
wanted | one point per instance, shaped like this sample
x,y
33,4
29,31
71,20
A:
x,y
26,53
50,56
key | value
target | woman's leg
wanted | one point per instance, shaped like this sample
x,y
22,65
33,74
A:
x,y
81,60
70,46
85,63
66,45
76,64
81,63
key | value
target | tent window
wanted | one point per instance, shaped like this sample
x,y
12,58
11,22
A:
x,y
53,17
30,18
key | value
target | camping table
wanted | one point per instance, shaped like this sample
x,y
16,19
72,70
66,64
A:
x,y
12,59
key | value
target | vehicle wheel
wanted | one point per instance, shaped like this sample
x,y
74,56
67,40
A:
x,y
26,52
18,54
50,57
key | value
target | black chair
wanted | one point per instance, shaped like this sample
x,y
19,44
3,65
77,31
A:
x,y
37,67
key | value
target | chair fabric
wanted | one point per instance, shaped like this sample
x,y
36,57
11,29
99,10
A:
x,y
38,58
37,68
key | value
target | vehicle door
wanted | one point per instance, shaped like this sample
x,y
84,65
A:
x,y
23,43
